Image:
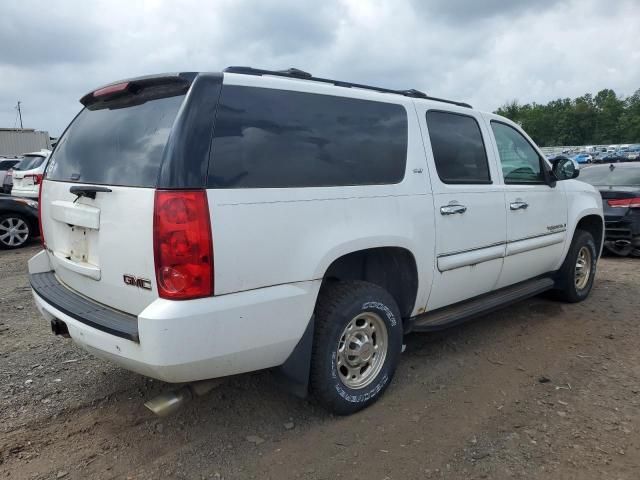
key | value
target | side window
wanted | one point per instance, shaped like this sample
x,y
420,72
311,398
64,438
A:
x,y
268,138
520,162
458,148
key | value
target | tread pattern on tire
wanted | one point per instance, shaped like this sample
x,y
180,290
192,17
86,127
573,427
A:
x,y
330,299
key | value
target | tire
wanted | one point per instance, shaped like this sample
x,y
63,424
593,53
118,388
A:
x,y
570,287
618,251
15,231
338,381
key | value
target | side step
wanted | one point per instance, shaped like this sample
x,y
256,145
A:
x,y
448,316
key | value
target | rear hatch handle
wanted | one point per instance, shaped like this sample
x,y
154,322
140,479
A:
x,y
88,191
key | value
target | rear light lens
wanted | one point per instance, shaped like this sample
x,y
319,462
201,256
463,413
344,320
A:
x,y
37,178
44,245
625,202
9,172
111,89
182,244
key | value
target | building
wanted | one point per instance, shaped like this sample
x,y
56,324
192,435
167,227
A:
x,y
16,141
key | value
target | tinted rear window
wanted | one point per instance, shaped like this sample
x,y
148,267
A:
x,y
276,138
120,146
29,163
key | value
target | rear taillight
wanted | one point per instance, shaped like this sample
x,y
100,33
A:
x,y
44,245
625,202
182,244
37,178
9,173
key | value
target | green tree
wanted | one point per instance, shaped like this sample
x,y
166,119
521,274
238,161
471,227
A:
x,y
601,119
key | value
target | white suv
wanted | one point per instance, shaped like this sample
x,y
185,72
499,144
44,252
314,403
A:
x,y
203,225
28,174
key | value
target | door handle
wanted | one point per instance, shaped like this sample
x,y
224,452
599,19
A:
x,y
518,205
452,209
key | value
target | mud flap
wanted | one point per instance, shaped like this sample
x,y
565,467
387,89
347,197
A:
x,y
293,374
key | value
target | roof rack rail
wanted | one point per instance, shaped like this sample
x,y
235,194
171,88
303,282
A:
x,y
302,75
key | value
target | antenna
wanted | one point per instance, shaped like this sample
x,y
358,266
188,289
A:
x,y
19,113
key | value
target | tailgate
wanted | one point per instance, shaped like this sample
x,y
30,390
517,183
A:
x,y
97,245
97,198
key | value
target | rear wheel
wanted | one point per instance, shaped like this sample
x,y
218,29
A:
x,y
357,344
575,278
14,231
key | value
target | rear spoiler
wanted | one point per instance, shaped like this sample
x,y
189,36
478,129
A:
x,y
134,91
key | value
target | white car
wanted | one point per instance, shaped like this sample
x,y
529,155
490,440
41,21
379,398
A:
x,y
308,230
27,174
6,164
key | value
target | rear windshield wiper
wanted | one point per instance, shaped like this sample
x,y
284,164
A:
x,y
88,191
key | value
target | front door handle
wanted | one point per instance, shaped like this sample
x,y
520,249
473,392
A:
x,y
452,209
518,205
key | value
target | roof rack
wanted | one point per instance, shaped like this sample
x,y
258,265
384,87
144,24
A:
x,y
302,75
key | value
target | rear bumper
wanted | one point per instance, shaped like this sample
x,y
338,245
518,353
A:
x,y
24,192
182,341
625,228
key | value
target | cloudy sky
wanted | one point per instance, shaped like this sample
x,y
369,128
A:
x,y
485,52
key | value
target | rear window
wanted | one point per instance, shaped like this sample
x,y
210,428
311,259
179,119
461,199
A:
x,y
6,165
276,138
624,176
116,146
29,163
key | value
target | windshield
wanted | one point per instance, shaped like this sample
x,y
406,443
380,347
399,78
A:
x,y
29,163
616,177
116,146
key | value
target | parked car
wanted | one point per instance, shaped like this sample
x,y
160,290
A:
x,y
611,157
7,182
344,217
619,186
18,221
633,153
583,158
27,175
6,165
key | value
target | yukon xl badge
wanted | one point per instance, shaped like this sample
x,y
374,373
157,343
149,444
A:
x,y
144,283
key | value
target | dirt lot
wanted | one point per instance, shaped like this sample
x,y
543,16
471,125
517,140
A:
x,y
538,390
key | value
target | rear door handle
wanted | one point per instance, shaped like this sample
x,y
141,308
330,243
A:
x,y
452,209
518,205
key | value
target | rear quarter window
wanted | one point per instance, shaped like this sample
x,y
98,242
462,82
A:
x,y
116,146
276,138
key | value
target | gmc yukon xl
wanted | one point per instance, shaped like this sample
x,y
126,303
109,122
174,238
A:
x,y
200,225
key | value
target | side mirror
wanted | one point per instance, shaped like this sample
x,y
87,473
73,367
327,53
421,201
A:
x,y
564,168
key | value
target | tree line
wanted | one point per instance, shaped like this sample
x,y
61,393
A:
x,y
587,120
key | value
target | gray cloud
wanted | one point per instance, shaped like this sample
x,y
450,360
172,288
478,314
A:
x,y
482,52
463,11
35,32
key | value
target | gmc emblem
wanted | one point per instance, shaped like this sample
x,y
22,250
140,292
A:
x,y
144,283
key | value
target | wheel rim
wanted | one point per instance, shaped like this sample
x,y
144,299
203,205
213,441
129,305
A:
x,y
13,231
362,350
583,268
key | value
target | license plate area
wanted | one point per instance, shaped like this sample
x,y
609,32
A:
x,y
78,244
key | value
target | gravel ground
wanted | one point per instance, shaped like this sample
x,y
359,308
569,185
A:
x,y
538,390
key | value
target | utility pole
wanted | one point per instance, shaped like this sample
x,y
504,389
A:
x,y
20,113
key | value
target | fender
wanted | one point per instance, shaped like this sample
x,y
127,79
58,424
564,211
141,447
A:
x,y
582,200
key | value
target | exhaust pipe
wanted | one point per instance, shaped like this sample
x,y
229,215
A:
x,y
170,402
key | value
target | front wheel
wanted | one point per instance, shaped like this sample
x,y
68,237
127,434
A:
x,y
14,231
575,278
357,344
